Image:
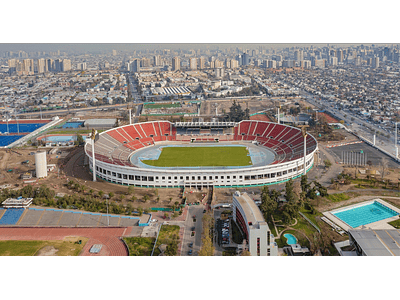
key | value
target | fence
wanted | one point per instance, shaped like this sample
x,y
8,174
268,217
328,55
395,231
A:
x,y
309,221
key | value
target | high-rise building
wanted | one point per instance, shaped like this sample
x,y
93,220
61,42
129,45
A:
x,y
145,63
12,66
157,60
272,64
41,65
114,52
202,61
333,61
57,65
246,59
81,66
28,67
176,63
219,72
375,62
340,55
66,65
135,66
193,63
298,55
49,64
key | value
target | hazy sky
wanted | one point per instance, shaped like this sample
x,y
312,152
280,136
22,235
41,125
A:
x,y
106,47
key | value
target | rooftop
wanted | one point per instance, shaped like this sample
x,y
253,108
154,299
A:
x,y
251,210
377,242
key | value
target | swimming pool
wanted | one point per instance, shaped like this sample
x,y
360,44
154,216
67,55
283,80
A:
x,y
291,239
365,214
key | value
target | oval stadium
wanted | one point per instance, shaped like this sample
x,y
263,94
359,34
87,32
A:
x,y
201,154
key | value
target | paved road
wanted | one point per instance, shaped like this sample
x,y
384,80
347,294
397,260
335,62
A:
x,y
360,125
187,239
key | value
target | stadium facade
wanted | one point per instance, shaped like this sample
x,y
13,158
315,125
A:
x,y
115,148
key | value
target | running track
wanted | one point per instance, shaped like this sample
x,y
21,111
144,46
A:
x,y
108,237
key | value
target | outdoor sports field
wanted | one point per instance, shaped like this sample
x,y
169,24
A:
x,y
162,105
201,157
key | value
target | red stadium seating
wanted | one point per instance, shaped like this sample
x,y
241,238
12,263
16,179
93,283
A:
x,y
115,146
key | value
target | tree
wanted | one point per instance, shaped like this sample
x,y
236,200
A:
x,y
383,167
133,198
101,193
111,194
268,205
145,198
327,163
290,196
91,191
79,139
122,197
304,185
140,211
172,247
131,189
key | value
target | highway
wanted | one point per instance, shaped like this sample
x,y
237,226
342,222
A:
x,y
359,125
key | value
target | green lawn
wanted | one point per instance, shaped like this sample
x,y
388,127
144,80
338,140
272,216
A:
x,y
395,224
338,197
140,246
201,156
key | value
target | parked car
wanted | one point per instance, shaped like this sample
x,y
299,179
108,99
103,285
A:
x,y
190,252
190,245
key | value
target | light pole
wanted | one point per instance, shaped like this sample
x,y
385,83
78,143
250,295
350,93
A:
x,y
93,158
108,216
395,141
278,112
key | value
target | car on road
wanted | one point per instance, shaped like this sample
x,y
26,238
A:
x,y
193,228
190,245
190,252
204,211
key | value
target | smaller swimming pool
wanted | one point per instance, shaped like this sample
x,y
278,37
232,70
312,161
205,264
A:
x,y
291,239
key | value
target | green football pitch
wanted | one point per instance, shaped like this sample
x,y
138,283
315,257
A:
x,y
201,157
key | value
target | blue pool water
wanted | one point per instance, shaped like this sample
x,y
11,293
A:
x,y
61,138
365,214
72,125
291,239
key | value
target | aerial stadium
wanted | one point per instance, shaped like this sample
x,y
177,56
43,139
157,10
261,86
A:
x,y
201,154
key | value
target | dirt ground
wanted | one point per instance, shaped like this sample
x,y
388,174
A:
x,y
254,104
72,168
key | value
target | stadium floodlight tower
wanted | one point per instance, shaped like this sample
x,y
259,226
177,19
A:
x,y
278,112
93,158
304,133
130,116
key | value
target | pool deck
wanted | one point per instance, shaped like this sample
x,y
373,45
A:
x,y
382,224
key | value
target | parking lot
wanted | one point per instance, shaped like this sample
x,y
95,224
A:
x,y
223,231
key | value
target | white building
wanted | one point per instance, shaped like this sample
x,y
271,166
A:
x,y
250,219
17,202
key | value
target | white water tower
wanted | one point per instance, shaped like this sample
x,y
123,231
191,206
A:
x,y
41,164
